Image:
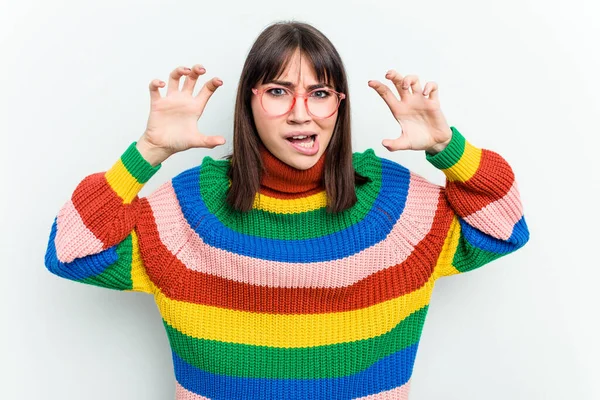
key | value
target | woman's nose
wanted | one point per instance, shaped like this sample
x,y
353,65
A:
x,y
299,113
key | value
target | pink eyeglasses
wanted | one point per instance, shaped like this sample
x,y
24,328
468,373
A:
x,y
320,103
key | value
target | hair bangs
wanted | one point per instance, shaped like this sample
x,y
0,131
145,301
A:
x,y
276,59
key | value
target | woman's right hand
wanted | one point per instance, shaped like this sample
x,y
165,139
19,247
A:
x,y
172,124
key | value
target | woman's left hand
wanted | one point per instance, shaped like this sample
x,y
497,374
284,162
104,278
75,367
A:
x,y
422,124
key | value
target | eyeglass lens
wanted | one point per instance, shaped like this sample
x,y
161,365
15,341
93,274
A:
x,y
321,102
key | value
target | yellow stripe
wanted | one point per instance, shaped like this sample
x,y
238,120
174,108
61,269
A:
x,y
122,182
467,166
292,206
444,265
284,330
139,277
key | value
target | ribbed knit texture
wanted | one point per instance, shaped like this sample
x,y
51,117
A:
x,y
283,181
287,301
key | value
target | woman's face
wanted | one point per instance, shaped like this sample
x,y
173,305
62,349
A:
x,y
273,131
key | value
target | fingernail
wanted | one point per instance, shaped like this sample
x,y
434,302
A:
x,y
220,81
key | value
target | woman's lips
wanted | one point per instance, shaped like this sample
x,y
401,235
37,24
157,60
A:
x,y
309,151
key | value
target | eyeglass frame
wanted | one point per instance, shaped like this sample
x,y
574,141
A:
x,y
260,92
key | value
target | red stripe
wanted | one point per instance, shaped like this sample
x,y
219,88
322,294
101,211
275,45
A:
x,y
286,182
491,182
103,211
180,283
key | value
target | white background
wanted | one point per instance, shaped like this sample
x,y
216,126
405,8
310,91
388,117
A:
x,y
518,77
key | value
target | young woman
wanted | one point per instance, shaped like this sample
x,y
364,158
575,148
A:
x,y
293,268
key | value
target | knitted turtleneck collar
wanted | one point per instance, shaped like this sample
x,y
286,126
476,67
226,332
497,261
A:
x,y
282,179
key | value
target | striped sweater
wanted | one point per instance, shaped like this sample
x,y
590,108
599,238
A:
x,y
286,301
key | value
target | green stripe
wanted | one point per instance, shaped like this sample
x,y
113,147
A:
x,y
451,154
137,165
329,361
468,257
305,225
117,275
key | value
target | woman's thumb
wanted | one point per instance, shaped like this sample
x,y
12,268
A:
x,y
209,141
401,143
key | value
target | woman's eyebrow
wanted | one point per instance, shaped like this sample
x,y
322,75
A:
x,y
291,85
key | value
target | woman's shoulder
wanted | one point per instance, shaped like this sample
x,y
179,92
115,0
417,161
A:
x,y
215,168
368,156
367,162
210,173
390,172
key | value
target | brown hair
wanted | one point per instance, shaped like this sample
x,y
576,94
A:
x,y
266,60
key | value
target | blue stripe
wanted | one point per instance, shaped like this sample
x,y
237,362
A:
x,y
351,240
481,240
386,374
520,234
80,268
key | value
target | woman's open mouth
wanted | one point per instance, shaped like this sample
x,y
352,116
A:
x,y
308,145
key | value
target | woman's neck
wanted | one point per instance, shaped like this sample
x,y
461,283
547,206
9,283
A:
x,y
284,181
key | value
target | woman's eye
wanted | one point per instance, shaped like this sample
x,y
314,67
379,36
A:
x,y
277,91
321,93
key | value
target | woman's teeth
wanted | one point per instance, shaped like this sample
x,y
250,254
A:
x,y
303,141
308,145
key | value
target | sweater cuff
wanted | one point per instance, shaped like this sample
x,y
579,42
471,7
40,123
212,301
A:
x,y
129,174
459,160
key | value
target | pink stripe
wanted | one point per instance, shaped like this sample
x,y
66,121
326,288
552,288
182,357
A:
x,y
73,238
182,393
399,393
414,223
499,218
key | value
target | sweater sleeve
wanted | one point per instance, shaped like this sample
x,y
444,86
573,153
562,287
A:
x,y
488,220
93,238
